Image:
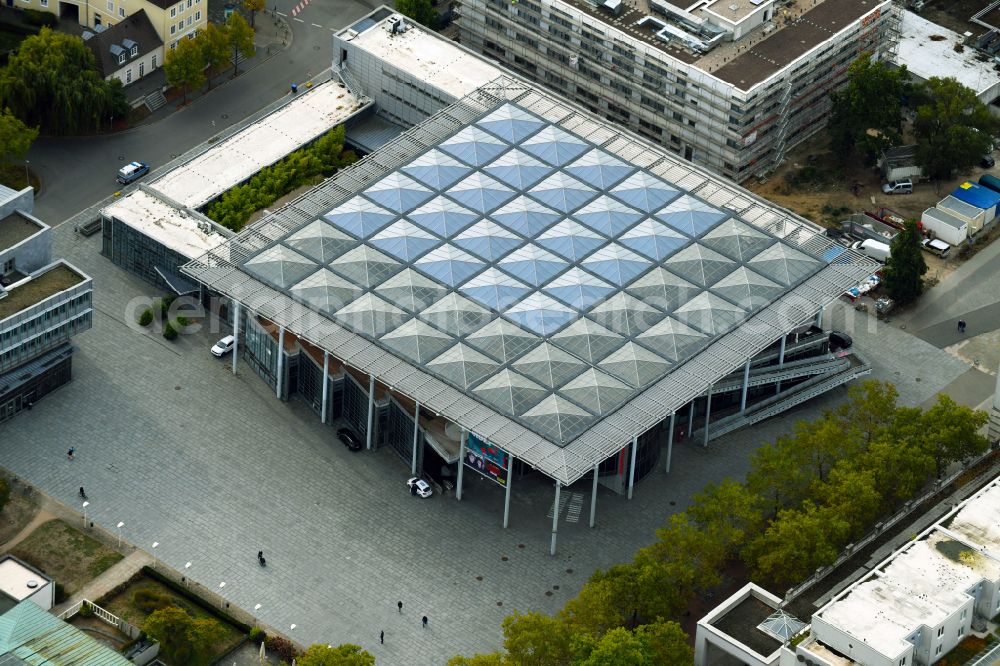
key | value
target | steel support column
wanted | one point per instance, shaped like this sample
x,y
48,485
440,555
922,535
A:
x,y
506,496
631,465
746,387
819,319
670,440
555,520
279,374
708,414
236,333
781,361
416,433
371,411
593,498
687,433
461,464
326,384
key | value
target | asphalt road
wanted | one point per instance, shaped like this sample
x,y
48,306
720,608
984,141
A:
x,y
78,172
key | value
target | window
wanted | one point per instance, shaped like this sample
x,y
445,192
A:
x,y
45,3
128,76
121,12
121,58
940,632
961,631
190,18
173,12
173,29
111,6
189,4
153,64
173,46
965,612
180,24
134,52
197,15
937,650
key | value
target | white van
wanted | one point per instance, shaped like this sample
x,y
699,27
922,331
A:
x,y
873,249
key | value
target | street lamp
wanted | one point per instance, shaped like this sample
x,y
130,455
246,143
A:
x,y
120,526
85,505
186,576
155,544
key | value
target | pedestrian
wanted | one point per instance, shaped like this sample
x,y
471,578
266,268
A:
x,y
381,637
83,495
961,326
424,621
70,454
399,605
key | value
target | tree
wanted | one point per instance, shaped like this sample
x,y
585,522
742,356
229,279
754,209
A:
x,y
534,639
182,638
852,493
342,655
240,40
652,644
204,634
866,115
487,659
184,66
214,43
950,432
253,6
728,512
421,11
953,128
905,268
15,137
52,82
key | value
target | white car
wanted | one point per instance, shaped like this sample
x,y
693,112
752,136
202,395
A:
x,y
223,346
419,487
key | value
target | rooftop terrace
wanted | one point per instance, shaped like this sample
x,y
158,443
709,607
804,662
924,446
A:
x,y
794,30
36,289
15,228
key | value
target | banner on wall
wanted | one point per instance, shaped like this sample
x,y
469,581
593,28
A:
x,y
486,459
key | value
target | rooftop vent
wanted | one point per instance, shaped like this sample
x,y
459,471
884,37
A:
x,y
32,584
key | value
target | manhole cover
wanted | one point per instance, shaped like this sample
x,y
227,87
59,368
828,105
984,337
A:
x,y
673,503
499,603
479,577
569,571
917,379
225,115
503,558
177,388
555,587
548,593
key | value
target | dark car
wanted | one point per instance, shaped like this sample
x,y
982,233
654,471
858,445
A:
x,y
840,340
349,439
987,162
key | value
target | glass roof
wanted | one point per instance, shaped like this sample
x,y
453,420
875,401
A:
x,y
548,278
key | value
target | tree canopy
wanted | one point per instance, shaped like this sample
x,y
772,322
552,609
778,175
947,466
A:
x,y
52,82
182,638
240,39
342,655
15,137
421,11
184,66
867,115
214,44
903,274
954,128
253,6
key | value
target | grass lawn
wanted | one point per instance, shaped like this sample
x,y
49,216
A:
x,y
66,554
121,605
15,516
12,176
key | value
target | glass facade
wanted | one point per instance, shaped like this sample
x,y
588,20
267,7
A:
x,y
138,253
35,330
34,382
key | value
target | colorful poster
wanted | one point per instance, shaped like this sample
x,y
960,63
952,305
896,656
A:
x,y
486,459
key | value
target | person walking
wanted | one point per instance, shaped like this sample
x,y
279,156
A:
x,y
424,621
399,605
71,453
381,637
961,326
83,494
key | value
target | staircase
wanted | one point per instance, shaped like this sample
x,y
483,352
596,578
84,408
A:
x,y
155,100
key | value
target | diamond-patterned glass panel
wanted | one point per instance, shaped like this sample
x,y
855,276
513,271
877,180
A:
x,y
417,341
511,123
563,192
517,169
588,340
474,146
736,240
700,264
280,265
325,291
411,290
494,289
443,216
653,239
525,216
512,393
359,217
600,169
608,216
488,240
549,365
449,264
559,418
784,264
644,191
710,313
370,315
404,240
320,241
748,289
398,192
690,216
578,288
456,315
616,263
555,146
436,170
635,365
570,240
365,266
626,315
597,391
481,193
463,365
532,264
540,313
671,339
661,288
502,340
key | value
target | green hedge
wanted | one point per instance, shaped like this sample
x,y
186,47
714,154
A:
x,y
322,158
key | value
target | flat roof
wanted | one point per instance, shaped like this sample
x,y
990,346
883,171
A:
x,y
37,288
230,162
171,226
741,622
16,579
549,282
17,227
735,10
925,581
928,49
428,57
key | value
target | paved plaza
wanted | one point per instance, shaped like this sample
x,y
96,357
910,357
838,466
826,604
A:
x,y
214,468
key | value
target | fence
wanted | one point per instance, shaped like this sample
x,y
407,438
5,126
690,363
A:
x,y
108,618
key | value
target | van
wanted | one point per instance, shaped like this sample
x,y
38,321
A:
x,y
936,246
131,172
904,186
873,249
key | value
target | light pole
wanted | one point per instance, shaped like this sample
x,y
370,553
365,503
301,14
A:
x,y
120,526
155,544
221,598
85,505
186,576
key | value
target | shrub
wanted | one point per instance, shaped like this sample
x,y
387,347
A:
x,y
149,601
281,647
257,635
39,18
182,321
169,332
146,317
86,610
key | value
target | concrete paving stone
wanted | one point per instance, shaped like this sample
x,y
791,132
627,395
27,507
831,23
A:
x,y
220,469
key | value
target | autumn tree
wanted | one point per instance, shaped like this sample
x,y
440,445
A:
x,y
184,66
182,638
214,43
15,137
240,36
342,655
950,433
253,6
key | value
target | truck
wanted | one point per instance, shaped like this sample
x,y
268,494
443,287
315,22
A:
x,y
873,249
900,163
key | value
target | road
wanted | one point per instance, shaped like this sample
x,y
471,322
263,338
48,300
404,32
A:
x,y
77,172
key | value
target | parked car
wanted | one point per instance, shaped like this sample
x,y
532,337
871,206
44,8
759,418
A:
x,y
132,172
904,186
873,249
349,439
839,340
223,346
987,162
419,487
936,246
